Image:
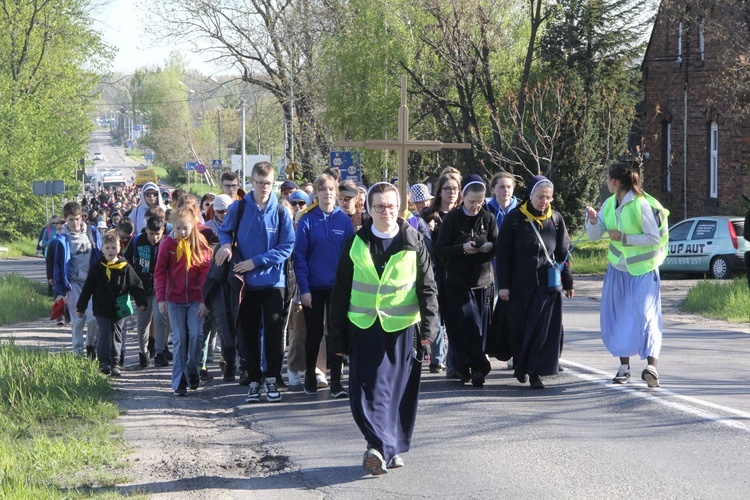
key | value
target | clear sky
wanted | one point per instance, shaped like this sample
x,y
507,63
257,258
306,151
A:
x,y
122,27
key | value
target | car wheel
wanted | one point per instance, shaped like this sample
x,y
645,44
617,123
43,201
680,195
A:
x,y
720,269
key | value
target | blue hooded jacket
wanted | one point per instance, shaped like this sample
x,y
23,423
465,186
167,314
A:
x,y
498,212
60,247
266,236
319,242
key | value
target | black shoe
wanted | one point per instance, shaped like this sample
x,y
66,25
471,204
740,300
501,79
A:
x,y
453,374
168,354
311,385
206,377
104,370
194,381
536,382
161,360
151,347
465,375
477,379
244,378
91,352
143,360
182,388
229,376
522,378
437,369
114,371
337,391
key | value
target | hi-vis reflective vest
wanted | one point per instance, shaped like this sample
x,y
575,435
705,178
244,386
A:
x,y
639,260
392,298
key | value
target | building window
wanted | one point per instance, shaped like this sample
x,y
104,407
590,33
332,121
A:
x,y
702,40
713,166
679,43
666,155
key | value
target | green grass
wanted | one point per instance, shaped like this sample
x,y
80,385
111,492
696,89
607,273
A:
x,y
728,300
56,435
589,257
22,299
20,248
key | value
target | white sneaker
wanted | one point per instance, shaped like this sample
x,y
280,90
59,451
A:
x,y
651,376
295,378
322,382
623,375
271,389
510,363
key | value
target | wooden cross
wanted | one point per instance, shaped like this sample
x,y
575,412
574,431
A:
x,y
403,145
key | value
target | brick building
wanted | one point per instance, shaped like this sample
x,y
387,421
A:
x,y
695,147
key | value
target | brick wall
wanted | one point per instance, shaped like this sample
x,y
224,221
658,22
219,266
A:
x,y
665,79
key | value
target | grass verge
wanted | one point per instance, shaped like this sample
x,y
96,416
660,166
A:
x,y
22,299
589,257
20,248
56,436
728,300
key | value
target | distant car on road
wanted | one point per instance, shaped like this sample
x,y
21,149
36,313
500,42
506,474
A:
x,y
712,245
98,156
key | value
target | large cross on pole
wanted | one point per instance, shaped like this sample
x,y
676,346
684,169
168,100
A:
x,y
403,145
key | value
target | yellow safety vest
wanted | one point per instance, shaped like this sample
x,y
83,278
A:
x,y
638,259
391,298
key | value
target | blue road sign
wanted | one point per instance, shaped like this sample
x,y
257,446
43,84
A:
x,y
216,164
190,165
350,164
200,168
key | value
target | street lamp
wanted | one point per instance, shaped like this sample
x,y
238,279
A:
x,y
203,100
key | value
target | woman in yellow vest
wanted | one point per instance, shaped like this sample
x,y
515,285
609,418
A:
x,y
630,312
383,288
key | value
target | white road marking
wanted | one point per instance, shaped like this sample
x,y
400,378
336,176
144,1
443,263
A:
x,y
660,395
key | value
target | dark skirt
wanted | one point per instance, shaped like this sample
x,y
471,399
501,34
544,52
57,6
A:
x,y
384,387
466,318
535,330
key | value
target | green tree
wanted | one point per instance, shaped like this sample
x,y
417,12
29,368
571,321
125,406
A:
x,y
50,59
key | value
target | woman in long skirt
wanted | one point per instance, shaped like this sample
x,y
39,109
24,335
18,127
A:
x,y
464,249
532,240
384,286
630,312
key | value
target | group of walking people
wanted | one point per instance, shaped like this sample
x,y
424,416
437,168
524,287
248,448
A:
x,y
379,287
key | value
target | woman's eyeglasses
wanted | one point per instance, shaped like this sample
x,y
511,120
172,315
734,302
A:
x,y
447,189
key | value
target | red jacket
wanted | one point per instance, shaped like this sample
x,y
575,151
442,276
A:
x,y
173,282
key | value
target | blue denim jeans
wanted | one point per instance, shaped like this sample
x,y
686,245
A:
x,y
437,348
187,345
109,342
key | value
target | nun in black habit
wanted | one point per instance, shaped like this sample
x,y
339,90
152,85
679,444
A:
x,y
384,287
532,238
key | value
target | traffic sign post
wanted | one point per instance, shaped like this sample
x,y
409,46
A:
x,y
349,163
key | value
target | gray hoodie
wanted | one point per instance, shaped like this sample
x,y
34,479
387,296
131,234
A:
x,y
80,253
138,215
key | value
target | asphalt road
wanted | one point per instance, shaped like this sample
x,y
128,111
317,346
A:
x,y
582,437
114,157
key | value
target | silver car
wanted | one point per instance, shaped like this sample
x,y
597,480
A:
x,y
712,245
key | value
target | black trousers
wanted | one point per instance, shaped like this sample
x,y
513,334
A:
x,y
314,319
262,308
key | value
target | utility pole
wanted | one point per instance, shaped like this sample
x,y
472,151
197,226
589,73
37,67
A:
x,y
218,122
244,158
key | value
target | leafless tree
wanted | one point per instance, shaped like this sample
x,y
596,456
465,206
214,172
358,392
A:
x,y
271,43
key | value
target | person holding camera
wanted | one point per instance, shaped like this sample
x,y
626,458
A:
x,y
464,253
